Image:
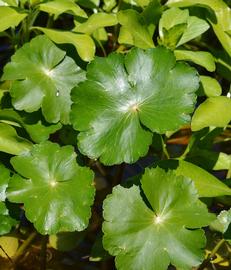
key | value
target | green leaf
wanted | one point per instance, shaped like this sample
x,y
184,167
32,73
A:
x,y
173,36
84,44
38,129
13,3
126,97
206,184
89,3
210,86
215,111
58,7
109,5
96,21
43,78
57,193
174,17
171,18
166,232
204,59
4,180
133,23
10,17
6,221
222,222
195,27
223,17
10,142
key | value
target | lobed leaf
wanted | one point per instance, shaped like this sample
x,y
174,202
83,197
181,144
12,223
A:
x,y
166,232
42,78
126,98
57,193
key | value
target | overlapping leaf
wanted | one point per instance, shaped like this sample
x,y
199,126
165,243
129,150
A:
x,y
42,78
167,231
6,222
125,98
56,192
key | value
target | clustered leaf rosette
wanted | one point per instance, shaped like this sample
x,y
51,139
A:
x,y
127,97
42,77
56,192
159,223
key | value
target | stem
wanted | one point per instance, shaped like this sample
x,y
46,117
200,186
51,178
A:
x,y
101,47
213,253
24,246
165,151
43,254
119,174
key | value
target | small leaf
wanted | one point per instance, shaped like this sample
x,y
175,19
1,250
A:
x,y
84,44
96,21
43,78
38,129
206,184
215,111
222,222
11,143
134,23
4,180
195,27
223,17
210,86
204,59
56,192
126,97
58,7
166,232
10,17
174,17
6,221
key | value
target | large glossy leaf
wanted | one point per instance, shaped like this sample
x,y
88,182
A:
x,y
56,192
84,44
134,29
165,231
43,78
10,142
58,7
204,59
126,97
215,111
206,184
10,17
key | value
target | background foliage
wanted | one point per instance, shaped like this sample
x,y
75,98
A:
x,y
115,134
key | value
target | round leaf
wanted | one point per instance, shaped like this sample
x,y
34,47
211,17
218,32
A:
x,y
125,98
43,78
57,193
167,232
